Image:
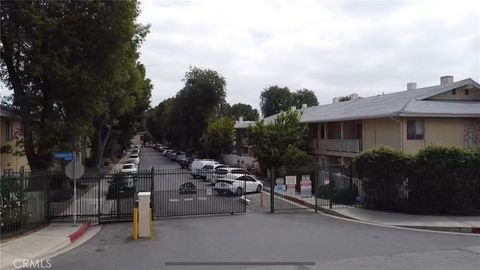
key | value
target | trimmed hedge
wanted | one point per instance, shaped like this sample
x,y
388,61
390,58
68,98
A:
x,y
438,179
442,181
385,171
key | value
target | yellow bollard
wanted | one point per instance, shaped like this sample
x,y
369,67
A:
x,y
135,223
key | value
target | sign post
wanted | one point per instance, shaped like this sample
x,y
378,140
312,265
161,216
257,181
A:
x,y
69,156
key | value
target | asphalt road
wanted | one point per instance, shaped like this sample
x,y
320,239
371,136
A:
x,y
261,240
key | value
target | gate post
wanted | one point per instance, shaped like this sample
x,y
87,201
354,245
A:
x,y
315,175
99,186
272,191
152,189
351,180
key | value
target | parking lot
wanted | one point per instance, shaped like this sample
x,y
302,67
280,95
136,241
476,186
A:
x,y
167,199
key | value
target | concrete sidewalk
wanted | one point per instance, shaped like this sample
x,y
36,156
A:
x,y
465,224
45,243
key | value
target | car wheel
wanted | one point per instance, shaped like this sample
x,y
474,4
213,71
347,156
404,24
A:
x,y
259,189
239,191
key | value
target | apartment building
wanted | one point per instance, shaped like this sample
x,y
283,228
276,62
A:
x,y
444,114
11,152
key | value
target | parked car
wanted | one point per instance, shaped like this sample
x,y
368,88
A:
x,y
129,168
134,159
239,186
230,173
198,164
208,170
167,152
180,155
135,151
185,161
122,185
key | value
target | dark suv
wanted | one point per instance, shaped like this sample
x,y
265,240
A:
x,y
122,185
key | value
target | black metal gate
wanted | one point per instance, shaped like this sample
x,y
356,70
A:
x,y
177,193
315,187
112,197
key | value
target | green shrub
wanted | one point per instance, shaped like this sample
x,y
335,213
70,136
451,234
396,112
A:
x,y
442,181
475,165
384,169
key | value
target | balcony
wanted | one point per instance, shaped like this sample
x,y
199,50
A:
x,y
338,145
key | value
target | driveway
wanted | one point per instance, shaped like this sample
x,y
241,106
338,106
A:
x,y
257,236
260,240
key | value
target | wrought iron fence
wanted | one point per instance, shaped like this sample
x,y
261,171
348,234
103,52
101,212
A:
x,y
23,203
31,200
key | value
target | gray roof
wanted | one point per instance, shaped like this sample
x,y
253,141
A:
x,y
271,119
442,108
405,103
243,124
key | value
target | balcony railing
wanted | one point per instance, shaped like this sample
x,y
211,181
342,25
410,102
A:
x,y
338,145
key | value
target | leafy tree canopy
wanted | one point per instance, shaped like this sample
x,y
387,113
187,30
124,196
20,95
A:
x,y
218,137
71,64
275,99
283,143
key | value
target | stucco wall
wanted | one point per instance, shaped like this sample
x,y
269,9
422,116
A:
x,y
378,132
472,133
438,131
474,94
7,161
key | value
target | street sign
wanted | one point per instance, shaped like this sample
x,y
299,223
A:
x,y
63,155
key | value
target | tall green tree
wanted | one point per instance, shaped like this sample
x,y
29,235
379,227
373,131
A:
x,y
246,111
275,99
194,106
69,65
283,143
304,96
218,137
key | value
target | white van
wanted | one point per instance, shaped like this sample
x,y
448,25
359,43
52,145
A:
x,y
198,164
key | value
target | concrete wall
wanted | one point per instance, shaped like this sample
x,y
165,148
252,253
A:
x,y
378,132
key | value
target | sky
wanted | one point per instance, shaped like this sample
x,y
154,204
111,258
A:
x,y
334,48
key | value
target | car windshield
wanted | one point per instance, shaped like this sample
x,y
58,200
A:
x,y
133,156
128,166
208,167
221,171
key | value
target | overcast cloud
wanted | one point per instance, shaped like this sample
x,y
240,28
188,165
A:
x,y
332,47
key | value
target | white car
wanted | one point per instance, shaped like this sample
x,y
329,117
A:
x,y
208,171
198,164
239,186
134,159
129,168
230,173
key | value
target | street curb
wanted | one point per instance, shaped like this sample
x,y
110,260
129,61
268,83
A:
x,y
471,230
80,232
309,205
468,230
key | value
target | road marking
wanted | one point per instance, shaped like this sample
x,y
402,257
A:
x,y
173,200
202,198
188,199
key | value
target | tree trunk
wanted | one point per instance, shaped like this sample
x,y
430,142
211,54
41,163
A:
x,y
21,100
102,134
